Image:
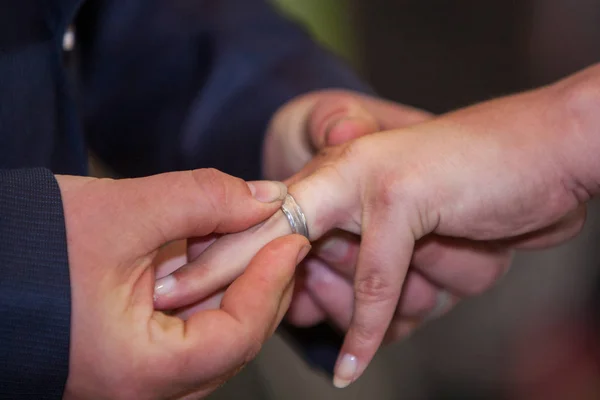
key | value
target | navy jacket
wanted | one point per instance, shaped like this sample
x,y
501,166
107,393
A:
x,y
152,86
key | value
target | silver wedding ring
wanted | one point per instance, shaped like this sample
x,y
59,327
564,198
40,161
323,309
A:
x,y
295,216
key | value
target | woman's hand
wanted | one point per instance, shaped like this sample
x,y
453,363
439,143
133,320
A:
x,y
448,198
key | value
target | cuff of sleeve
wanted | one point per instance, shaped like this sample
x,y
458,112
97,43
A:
x,y
35,298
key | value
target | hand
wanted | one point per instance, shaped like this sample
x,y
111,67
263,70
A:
x,y
298,131
509,173
500,174
121,348
307,124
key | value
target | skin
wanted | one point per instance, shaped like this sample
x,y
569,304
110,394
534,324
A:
x,y
295,135
449,197
121,348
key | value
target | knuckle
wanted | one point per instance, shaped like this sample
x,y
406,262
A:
x,y
393,188
210,180
216,187
374,288
402,191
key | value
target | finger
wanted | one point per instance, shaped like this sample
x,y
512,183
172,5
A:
x,y
339,250
227,257
249,312
196,203
383,262
211,303
403,326
328,118
218,265
335,294
332,293
303,311
392,115
284,306
170,257
329,194
214,303
337,117
196,246
464,267
565,229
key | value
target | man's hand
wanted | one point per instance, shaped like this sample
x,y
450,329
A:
x,y
308,124
121,348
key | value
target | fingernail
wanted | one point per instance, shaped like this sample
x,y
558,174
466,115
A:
x,y
302,254
334,250
164,286
345,371
267,191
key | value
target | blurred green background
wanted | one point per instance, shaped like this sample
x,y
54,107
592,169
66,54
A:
x,y
330,21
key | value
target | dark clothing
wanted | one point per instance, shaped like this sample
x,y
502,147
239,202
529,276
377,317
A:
x,y
153,86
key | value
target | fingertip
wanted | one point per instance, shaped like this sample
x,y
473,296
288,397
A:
x,y
303,251
346,371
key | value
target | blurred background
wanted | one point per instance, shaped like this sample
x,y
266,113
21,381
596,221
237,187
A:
x,y
531,336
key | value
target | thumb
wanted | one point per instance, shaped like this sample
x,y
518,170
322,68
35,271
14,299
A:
x,y
166,207
250,311
336,118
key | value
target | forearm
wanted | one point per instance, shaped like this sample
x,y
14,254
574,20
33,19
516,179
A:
x,y
34,287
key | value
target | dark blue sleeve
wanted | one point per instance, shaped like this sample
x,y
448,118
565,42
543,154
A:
x,y
171,85
35,300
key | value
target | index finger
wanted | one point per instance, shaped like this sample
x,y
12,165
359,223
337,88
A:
x,y
383,262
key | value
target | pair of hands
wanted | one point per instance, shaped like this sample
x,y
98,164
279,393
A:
x,y
450,198
121,347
